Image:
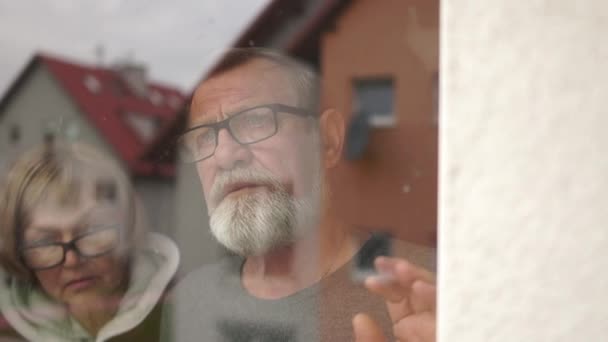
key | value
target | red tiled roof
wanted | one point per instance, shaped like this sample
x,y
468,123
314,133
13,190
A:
x,y
105,109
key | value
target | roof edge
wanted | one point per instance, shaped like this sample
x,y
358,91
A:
x,y
18,81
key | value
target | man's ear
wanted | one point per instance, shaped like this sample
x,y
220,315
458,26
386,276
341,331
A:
x,y
331,124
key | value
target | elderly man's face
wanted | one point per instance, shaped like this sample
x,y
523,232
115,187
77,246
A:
x,y
266,194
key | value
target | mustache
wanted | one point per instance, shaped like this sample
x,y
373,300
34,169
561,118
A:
x,y
226,180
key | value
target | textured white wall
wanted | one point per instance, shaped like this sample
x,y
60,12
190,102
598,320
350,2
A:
x,y
524,171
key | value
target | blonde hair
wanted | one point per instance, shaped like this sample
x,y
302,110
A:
x,y
57,172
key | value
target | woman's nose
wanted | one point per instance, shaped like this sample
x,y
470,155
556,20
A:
x,y
72,258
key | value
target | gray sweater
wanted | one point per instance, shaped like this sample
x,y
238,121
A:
x,y
210,304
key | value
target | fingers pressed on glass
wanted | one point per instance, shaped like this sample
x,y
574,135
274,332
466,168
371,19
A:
x,y
387,286
415,328
405,272
367,329
424,297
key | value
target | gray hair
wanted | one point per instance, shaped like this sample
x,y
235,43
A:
x,y
304,78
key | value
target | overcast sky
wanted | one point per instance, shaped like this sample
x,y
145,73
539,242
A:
x,y
177,40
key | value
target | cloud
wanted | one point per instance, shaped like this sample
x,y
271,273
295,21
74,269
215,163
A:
x,y
177,40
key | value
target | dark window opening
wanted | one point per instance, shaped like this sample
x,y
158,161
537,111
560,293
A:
x,y
105,190
49,138
374,98
15,134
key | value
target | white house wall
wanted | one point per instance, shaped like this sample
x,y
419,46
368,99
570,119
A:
x,y
158,197
523,171
39,101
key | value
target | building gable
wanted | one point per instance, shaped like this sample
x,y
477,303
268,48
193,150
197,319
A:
x,y
108,100
39,108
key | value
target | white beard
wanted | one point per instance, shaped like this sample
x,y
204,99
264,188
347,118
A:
x,y
257,222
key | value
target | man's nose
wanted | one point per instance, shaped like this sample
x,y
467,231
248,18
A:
x,y
229,153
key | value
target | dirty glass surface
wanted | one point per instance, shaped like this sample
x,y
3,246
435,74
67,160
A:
x,y
218,171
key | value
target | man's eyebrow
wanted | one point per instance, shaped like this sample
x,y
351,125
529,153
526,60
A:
x,y
207,121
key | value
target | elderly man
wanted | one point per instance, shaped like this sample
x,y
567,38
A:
x,y
263,152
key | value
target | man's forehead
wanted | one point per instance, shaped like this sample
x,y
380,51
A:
x,y
254,83
213,100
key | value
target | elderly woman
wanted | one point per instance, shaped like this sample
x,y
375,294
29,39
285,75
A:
x,y
78,264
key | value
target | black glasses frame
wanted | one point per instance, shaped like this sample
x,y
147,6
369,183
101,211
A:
x,y
218,126
67,246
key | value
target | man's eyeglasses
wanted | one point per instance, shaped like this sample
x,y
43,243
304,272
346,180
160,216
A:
x,y
48,255
246,127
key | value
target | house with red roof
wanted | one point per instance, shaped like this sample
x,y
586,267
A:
x,y
115,108
378,62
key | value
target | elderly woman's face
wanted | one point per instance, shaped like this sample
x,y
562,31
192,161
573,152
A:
x,y
90,264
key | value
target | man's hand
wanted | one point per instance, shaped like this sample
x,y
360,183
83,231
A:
x,y
410,295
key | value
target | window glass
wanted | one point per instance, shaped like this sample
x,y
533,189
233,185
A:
x,y
14,134
374,98
218,171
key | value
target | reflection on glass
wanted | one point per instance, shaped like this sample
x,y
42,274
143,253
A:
x,y
43,255
297,268
305,160
78,263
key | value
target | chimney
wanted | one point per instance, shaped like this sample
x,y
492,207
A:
x,y
134,77
100,54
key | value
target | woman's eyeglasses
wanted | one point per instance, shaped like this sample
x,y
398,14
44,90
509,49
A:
x,y
48,255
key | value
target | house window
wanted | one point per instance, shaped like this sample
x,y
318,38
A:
x,y
175,102
50,130
145,126
156,98
105,190
49,138
374,98
72,130
92,84
14,134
